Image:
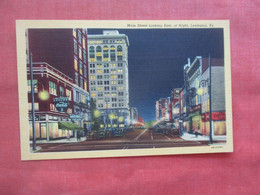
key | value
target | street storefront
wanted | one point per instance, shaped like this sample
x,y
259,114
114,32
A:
x,y
53,127
218,120
195,118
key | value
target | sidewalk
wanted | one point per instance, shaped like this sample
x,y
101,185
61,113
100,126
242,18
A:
x,y
192,137
72,140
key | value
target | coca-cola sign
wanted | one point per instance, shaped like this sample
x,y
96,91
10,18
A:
x,y
61,103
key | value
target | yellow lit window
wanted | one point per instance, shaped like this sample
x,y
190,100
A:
x,y
100,88
208,104
99,54
119,53
75,64
93,94
85,85
113,76
196,100
83,98
120,70
84,44
99,71
92,77
92,59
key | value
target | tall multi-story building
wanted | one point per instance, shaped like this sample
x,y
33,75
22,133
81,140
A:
x,y
203,94
108,75
66,51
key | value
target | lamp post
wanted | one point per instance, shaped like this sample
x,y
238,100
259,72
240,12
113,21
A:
x,y
33,110
204,83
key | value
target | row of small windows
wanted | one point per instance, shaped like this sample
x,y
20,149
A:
x,y
110,105
93,77
105,41
106,71
106,65
98,53
119,82
107,88
100,94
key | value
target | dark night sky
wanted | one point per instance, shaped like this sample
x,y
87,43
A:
x,y
156,58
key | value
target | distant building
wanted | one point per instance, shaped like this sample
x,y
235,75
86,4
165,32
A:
x,y
133,116
108,75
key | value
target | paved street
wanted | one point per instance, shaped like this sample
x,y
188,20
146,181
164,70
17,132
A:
x,y
139,138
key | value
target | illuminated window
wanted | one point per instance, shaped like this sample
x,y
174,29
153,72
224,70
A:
x,y
120,88
113,76
80,68
98,51
75,63
93,94
100,88
113,93
80,52
35,85
84,43
120,70
112,53
36,106
68,94
85,85
92,77
113,82
52,88
119,52
112,65
83,98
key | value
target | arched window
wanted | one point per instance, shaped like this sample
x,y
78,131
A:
x,y
119,53
91,52
105,53
99,53
112,53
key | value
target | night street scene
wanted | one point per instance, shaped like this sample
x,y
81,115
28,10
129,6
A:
x,y
119,89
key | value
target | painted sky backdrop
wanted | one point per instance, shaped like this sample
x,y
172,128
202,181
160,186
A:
x,y
156,58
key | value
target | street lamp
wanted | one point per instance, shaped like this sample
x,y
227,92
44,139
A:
x,y
205,83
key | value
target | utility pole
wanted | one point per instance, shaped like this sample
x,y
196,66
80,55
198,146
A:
x,y
33,110
210,103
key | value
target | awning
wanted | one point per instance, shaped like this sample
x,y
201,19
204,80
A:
x,y
69,126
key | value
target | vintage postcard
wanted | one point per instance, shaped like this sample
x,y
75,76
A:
x,y
92,89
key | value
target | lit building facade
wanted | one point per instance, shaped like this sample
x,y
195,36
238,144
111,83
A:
x,y
197,96
108,76
49,83
66,51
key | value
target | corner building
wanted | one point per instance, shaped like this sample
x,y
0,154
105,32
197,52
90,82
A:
x,y
108,76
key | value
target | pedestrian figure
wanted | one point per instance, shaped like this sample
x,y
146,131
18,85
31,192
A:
x,y
78,136
68,135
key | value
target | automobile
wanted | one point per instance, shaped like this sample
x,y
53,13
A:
x,y
102,134
119,133
92,135
172,130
